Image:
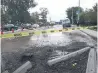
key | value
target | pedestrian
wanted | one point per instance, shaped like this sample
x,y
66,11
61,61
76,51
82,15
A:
x,y
78,24
12,30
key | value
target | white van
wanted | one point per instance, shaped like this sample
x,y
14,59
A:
x,y
66,23
35,26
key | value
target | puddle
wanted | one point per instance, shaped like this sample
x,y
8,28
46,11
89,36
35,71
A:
x,y
57,53
55,39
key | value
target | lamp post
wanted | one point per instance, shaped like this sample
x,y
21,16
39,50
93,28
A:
x,y
78,13
72,16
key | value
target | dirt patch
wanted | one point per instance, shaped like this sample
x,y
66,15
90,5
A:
x,y
68,65
11,61
41,66
41,56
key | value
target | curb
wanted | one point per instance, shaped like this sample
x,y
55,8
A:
x,y
90,33
6,71
65,57
91,64
24,68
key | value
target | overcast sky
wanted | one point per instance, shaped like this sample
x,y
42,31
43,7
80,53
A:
x,y
57,8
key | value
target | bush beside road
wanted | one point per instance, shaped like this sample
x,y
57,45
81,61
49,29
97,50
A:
x,y
94,28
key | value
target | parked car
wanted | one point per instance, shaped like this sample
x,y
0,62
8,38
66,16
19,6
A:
x,y
9,27
26,26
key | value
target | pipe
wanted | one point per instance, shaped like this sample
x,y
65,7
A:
x,y
24,68
65,57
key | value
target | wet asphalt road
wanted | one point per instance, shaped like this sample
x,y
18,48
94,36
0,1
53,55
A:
x,y
74,40
53,39
14,44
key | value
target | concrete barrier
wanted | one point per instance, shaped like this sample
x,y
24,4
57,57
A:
x,y
92,62
90,32
6,71
24,68
62,58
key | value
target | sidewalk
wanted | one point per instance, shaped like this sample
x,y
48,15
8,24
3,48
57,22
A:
x,y
90,32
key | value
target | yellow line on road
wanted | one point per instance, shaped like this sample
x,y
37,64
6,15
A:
x,y
38,32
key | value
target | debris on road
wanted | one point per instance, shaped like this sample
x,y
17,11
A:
x,y
65,57
26,56
41,50
58,53
74,64
6,71
24,68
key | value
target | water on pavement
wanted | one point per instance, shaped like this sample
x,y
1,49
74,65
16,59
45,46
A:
x,y
54,39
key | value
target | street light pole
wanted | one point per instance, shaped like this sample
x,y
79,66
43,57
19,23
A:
x,y
72,16
78,12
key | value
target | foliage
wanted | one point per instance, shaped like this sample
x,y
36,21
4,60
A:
x,y
40,18
87,17
69,13
17,10
35,17
43,15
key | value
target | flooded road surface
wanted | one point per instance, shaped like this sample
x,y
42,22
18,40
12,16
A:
x,y
42,47
14,44
53,39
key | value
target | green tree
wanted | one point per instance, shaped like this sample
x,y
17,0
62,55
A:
x,y
69,13
95,7
43,14
35,17
18,10
89,16
82,18
94,15
4,16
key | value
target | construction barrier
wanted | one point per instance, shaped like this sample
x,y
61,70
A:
x,y
38,32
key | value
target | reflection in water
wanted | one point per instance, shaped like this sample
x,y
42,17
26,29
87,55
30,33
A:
x,y
55,39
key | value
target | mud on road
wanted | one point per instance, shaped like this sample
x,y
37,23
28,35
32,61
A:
x,y
39,55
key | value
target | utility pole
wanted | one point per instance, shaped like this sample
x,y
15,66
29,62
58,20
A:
x,y
78,13
72,16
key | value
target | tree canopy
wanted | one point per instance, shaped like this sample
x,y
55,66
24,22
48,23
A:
x,y
87,17
17,10
35,17
43,15
75,10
